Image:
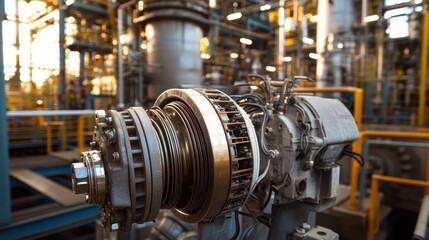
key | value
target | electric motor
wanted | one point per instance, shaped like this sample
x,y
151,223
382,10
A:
x,y
198,153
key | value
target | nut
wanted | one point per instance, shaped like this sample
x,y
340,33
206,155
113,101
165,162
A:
x,y
306,226
114,227
100,116
300,230
79,176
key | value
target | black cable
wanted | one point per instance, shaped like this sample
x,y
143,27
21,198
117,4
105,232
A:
x,y
266,82
267,97
237,227
357,155
264,205
257,96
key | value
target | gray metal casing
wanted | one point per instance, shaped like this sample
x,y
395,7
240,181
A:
x,y
306,168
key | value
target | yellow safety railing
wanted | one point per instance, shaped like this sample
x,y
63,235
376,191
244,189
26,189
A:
x,y
82,131
385,134
49,131
374,211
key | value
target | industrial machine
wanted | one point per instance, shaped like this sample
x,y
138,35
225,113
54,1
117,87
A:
x,y
202,153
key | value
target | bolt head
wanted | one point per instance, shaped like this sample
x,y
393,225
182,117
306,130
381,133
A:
x,y
109,120
100,116
300,231
79,176
306,226
93,145
116,157
114,226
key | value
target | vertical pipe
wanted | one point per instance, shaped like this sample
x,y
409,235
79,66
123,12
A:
x,y
364,44
422,221
120,87
427,170
362,177
323,12
62,76
80,134
5,206
372,205
357,147
82,76
48,138
281,40
423,70
120,103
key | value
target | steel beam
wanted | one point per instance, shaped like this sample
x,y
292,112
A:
x,y
5,207
62,76
50,223
49,113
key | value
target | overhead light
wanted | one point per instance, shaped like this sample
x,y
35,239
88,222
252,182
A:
x,y
233,55
371,18
418,1
314,56
287,59
246,41
314,18
340,45
205,56
234,16
289,24
69,2
140,5
270,68
307,40
265,7
212,3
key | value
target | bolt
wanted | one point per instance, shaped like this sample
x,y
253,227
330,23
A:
x,y
79,176
306,226
110,134
93,145
300,230
268,131
109,120
100,116
116,157
114,226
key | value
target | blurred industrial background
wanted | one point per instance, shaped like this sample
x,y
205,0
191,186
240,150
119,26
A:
x,y
62,59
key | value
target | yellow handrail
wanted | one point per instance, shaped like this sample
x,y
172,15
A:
x,y
81,133
373,212
386,134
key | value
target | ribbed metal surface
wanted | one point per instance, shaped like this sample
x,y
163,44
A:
x,y
239,143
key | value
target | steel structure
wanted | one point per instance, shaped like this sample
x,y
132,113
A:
x,y
5,208
173,31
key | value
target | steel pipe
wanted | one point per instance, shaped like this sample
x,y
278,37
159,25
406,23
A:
x,y
422,221
49,113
